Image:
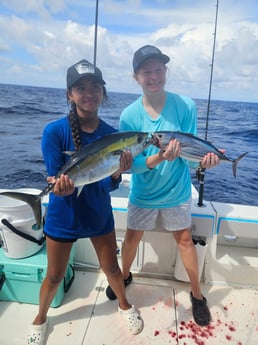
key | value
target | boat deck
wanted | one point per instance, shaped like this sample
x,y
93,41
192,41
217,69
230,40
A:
x,y
87,317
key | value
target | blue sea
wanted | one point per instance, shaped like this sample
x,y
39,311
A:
x,y
25,110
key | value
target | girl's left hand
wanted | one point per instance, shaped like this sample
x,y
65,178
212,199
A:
x,y
126,161
210,160
63,185
172,151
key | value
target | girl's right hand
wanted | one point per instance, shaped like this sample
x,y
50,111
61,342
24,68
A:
x,y
172,151
63,185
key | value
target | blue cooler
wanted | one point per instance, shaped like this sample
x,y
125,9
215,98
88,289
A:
x,y
20,279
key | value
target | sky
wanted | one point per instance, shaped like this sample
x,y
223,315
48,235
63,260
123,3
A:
x,y
40,39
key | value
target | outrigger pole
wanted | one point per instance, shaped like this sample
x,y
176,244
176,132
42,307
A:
x,y
96,33
201,171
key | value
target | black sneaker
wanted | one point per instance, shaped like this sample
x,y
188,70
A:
x,y
201,312
110,293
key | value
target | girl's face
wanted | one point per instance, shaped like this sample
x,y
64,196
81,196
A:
x,y
87,95
151,76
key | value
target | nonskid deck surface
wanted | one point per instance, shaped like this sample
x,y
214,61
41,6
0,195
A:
x,y
87,317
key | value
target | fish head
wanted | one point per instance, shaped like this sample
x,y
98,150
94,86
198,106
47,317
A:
x,y
161,139
143,140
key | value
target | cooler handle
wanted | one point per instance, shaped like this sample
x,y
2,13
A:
x,y
22,234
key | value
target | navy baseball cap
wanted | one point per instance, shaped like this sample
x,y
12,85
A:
x,y
147,52
82,69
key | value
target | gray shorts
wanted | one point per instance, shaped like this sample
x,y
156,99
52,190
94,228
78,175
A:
x,y
172,219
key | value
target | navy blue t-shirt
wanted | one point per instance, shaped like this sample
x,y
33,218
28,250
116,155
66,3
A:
x,y
90,213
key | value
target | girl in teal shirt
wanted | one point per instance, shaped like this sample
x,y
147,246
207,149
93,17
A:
x,y
161,184
166,184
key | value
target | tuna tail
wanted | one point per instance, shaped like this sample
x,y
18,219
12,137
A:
x,y
34,201
236,161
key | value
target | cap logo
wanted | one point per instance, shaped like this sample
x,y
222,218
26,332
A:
x,y
84,67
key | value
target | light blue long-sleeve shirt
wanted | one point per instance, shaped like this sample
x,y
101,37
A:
x,y
169,183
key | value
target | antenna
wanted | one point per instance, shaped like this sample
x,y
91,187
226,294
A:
x,y
201,171
96,33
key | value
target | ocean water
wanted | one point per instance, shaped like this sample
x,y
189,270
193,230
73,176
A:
x,y
25,110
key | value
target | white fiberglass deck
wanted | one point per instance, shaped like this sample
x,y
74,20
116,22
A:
x,y
86,317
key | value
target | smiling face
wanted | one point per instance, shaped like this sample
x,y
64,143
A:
x,y
87,94
151,76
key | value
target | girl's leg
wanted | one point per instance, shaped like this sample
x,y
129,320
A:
x,y
129,249
105,247
58,255
189,258
188,254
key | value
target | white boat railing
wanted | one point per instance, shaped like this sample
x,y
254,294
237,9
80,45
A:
x,y
225,235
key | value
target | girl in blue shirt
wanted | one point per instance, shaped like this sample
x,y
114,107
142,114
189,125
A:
x,y
71,217
161,184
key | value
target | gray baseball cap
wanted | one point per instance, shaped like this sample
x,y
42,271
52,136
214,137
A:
x,y
147,52
82,69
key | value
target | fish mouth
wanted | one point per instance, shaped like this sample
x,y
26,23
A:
x,y
150,140
155,140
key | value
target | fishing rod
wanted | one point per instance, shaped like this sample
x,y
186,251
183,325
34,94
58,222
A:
x,y
201,171
96,34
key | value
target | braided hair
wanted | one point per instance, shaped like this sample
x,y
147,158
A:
x,y
74,121
75,127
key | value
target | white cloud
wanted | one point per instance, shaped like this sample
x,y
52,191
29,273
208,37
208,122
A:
x,y
40,39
